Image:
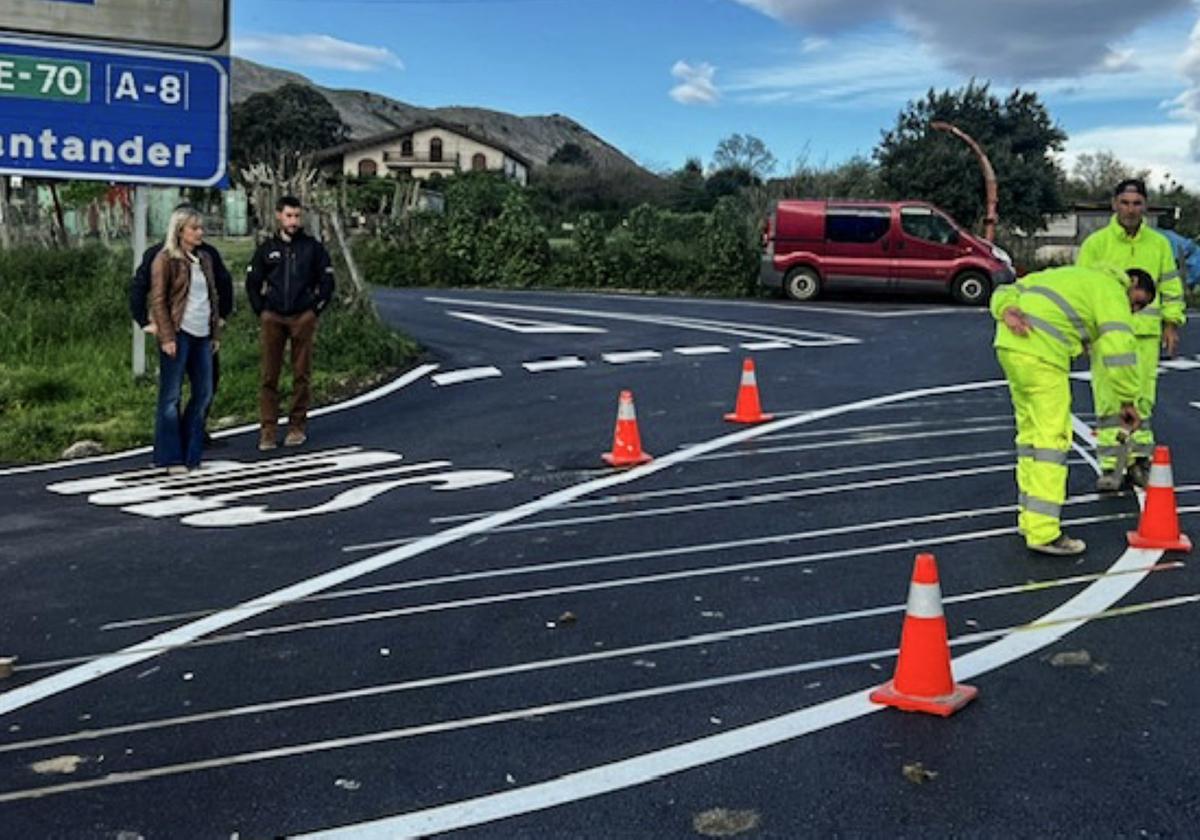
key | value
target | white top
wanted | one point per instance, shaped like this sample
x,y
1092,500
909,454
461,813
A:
x,y
198,309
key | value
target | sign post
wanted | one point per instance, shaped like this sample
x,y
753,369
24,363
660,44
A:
x,y
123,91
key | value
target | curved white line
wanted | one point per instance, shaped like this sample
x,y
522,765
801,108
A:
x,y
362,399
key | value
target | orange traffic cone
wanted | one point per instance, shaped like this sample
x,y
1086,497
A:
x,y
748,409
1159,525
923,681
627,443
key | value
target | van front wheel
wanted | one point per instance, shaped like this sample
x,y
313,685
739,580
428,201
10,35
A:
x,y
971,288
802,283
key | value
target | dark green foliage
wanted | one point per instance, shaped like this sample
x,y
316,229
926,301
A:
x,y
570,154
730,250
274,127
516,251
1017,134
591,266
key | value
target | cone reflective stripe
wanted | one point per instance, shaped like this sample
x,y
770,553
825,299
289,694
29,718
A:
x,y
748,409
924,681
1159,525
627,443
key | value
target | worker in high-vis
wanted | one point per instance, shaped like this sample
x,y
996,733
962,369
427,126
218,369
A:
x,y
1128,242
1043,322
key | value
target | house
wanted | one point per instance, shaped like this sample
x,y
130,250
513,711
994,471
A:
x,y
423,150
1060,240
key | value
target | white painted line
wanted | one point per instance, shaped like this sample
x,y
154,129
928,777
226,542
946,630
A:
x,y
1180,364
629,356
458,677
22,696
561,363
524,325
362,399
866,441
1081,376
454,377
990,423
701,350
767,345
1195,405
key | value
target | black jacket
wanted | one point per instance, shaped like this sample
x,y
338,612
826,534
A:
x,y
139,289
288,278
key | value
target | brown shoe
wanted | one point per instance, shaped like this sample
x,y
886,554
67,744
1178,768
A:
x,y
294,437
266,439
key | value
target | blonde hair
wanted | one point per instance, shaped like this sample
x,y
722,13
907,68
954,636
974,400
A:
x,y
181,218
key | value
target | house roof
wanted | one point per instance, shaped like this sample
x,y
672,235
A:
x,y
334,152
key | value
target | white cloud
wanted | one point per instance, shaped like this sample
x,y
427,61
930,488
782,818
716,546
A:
x,y
696,84
316,51
813,43
1164,149
1011,41
1187,104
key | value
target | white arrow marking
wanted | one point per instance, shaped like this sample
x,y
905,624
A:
x,y
525,325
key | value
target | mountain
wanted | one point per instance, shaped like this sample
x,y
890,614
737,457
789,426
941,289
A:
x,y
366,113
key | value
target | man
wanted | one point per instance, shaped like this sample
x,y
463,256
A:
x,y
1043,322
1186,251
1126,242
289,283
139,291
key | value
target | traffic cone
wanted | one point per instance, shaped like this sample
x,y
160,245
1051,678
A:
x,y
627,443
923,681
1159,525
6,666
748,409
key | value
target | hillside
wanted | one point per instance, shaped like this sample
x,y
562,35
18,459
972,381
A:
x,y
537,138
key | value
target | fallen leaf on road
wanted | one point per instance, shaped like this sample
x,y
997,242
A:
x,y
568,618
917,774
721,822
348,784
1071,659
61,764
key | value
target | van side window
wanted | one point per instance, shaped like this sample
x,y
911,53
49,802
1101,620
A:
x,y
923,223
857,224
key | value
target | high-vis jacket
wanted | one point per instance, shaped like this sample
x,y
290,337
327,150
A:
x,y
1150,251
1067,309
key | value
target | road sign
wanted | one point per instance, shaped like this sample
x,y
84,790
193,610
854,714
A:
x,y
188,24
112,114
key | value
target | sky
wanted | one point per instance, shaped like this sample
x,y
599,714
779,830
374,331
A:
x,y
817,80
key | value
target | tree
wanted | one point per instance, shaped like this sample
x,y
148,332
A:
x,y
280,127
1017,135
685,189
744,152
1095,175
571,154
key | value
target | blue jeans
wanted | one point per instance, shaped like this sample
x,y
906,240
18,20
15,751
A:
x,y
179,438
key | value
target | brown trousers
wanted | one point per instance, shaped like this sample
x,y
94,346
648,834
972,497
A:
x,y
274,332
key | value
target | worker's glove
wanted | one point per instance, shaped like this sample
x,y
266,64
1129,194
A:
x,y
1130,419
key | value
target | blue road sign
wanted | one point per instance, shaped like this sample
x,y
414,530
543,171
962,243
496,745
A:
x,y
112,114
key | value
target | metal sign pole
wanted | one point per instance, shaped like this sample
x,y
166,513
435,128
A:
x,y
140,212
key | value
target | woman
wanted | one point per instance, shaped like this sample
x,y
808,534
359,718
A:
x,y
184,313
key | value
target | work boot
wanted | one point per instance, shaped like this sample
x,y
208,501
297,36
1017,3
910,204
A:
x,y
267,439
1109,482
1064,546
295,437
1139,473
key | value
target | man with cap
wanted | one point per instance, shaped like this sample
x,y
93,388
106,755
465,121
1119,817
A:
x,y
1128,242
1043,321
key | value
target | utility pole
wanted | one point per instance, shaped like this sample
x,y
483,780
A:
x,y
989,175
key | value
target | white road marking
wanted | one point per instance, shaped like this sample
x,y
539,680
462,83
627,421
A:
x,y
629,356
561,363
935,428
1180,364
866,441
757,346
701,349
362,399
525,325
458,677
983,660
454,377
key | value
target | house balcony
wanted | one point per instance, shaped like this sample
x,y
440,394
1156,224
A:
x,y
395,160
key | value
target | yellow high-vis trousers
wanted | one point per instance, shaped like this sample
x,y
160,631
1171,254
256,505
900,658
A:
x,y
1108,407
1041,398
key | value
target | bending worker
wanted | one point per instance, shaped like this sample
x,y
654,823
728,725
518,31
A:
x,y
1127,242
1043,322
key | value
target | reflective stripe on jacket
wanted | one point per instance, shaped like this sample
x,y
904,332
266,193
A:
x,y
1068,308
1150,251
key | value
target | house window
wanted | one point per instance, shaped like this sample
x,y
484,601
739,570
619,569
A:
x,y
367,168
406,147
479,162
435,150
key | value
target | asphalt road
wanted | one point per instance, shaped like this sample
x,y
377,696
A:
x,y
445,614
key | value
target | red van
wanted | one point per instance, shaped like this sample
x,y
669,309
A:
x,y
894,245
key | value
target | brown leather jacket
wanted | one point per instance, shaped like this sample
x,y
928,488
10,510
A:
x,y
170,280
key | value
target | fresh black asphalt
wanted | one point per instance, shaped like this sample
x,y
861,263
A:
x,y
581,635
